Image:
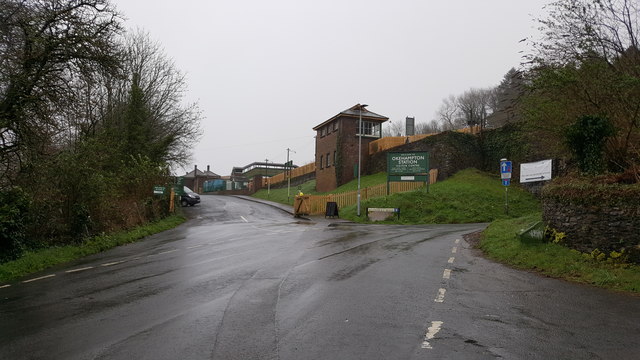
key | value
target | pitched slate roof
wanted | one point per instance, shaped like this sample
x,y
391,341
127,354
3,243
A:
x,y
190,175
354,111
200,173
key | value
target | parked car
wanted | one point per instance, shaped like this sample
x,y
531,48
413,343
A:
x,y
189,198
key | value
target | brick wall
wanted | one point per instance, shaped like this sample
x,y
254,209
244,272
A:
x,y
345,142
326,176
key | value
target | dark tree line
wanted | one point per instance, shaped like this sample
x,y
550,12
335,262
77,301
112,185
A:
x,y
91,117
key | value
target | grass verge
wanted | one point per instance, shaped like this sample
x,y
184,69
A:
x,y
280,195
500,243
34,261
470,196
309,188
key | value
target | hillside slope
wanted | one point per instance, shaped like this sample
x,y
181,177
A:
x,y
467,197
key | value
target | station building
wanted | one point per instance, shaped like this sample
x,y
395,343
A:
x,y
337,142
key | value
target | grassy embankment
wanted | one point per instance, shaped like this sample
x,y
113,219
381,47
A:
x,y
280,195
35,261
469,196
500,243
472,196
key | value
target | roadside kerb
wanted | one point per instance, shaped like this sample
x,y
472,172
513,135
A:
x,y
286,208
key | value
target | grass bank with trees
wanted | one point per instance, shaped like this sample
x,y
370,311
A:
x,y
92,117
41,259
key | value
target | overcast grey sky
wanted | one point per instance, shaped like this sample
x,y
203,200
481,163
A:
x,y
265,72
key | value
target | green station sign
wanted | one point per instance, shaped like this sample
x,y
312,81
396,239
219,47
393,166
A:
x,y
408,166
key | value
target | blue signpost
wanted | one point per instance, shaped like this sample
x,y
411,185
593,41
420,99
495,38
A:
x,y
505,171
505,174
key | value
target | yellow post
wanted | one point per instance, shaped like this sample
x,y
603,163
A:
x,y
172,201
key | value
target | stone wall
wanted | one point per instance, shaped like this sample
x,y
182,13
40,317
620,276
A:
x,y
607,220
449,152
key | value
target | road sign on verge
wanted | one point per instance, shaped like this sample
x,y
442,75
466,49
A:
x,y
535,171
505,174
505,167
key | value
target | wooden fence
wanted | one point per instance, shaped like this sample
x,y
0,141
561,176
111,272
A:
x,y
385,143
317,203
389,142
376,146
299,171
473,130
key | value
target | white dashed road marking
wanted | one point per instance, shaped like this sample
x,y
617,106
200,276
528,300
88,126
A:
x,y
4,286
39,278
446,274
80,269
436,325
113,263
195,246
431,332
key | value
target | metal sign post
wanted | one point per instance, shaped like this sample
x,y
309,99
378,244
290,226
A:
x,y
505,173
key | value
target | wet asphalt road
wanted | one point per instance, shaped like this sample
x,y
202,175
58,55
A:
x,y
242,280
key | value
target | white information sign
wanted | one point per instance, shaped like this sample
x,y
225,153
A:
x,y
535,171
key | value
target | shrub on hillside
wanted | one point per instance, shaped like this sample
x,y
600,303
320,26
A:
x,y
14,205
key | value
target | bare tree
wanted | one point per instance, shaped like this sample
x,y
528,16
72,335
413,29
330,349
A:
x,y
45,46
430,127
578,29
476,105
394,128
171,121
449,113
587,62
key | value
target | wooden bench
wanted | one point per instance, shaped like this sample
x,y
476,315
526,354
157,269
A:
x,y
378,214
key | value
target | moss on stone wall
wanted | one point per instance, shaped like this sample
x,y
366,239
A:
x,y
595,217
587,194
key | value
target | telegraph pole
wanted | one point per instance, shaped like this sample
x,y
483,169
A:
x,y
288,172
359,153
266,161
